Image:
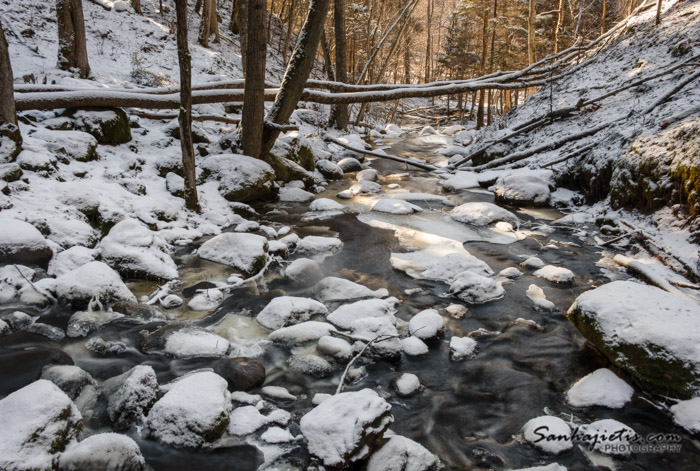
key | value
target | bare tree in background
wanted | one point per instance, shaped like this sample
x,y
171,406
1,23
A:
x,y
339,113
254,96
209,24
185,115
8,113
72,48
136,5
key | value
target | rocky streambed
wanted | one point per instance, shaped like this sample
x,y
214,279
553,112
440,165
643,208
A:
x,y
237,363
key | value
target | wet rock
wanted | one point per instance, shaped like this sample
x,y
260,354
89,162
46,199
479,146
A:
x,y
105,347
245,252
303,272
347,427
349,165
108,125
476,289
94,279
103,451
70,378
483,214
39,420
195,411
140,311
136,252
18,320
22,243
241,178
83,323
650,333
284,311
130,395
402,454
242,374
49,331
329,169
524,188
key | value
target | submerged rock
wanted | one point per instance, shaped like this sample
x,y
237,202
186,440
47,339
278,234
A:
x,y
347,427
650,333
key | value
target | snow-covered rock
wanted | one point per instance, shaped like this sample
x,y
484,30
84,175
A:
x,y
329,169
196,343
136,252
407,384
365,187
16,287
76,145
303,272
130,395
559,275
413,346
345,315
427,131
368,174
70,259
461,181
617,436
325,204
644,330
206,300
245,252
314,245
94,279
687,414
284,311
241,178
193,412
70,378
304,332
20,242
279,393
548,467
476,289
402,454
349,165
38,421
462,347
426,324
392,130
332,289
483,214
371,328
510,272
276,435
600,388
537,431
394,206
532,262
535,294
103,451
311,364
524,187
171,301
346,427
295,195
245,420
334,347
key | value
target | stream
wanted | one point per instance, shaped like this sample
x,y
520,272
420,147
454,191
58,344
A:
x,y
470,412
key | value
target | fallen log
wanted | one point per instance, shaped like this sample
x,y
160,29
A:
x,y
420,165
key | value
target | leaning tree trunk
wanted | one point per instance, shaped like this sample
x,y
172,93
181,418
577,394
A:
x,y
297,73
339,113
72,49
185,116
254,93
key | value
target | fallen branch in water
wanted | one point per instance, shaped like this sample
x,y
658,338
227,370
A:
x,y
377,154
375,340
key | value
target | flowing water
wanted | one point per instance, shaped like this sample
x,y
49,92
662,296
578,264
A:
x,y
470,411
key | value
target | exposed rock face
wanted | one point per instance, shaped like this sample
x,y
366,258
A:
x,y
647,331
346,427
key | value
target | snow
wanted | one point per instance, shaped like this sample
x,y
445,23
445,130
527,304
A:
x,y
554,274
394,206
195,343
239,250
402,454
538,430
70,378
21,237
476,289
549,467
687,414
310,364
535,294
206,300
483,214
70,259
295,195
247,226
194,406
130,395
245,398
277,435
94,279
104,451
413,346
325,204
344,316
303,332
510,272
462,347
407,384
600,388
38,420
171,301
616,433
524,186
426,324
133,250
333,289
278,392
633,313
339,429
334,347
532,262
246,420
371,328
284,311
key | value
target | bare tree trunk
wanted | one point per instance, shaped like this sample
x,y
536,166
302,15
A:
x,y
198,7
297,73
532,15
269,20
428,46
214,22
339,113
8,114
205,25
493,42
233,25
560,22
136,5
160,8
290,26
484,48
602,22
327,62
658,12
254,93
407,63
243,25
185,116
72,49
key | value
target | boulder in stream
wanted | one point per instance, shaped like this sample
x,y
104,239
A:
x,y
103,451
284,311
483,214
245,252
130,395
402,454
476,289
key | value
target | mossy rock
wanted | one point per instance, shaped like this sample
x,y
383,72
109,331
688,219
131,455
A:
x,y
10,142
241,178
10,172
110,126
304,157
287,170
173,130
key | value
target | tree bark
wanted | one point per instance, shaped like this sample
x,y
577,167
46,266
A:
x,y
327,62
136,5
205,25
531,25
290,26
254,92
8,113
233,25
428,46
298,70
72,48
185,115
658,13
602,17
484,47
560,22
339,113
214,22
243,36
